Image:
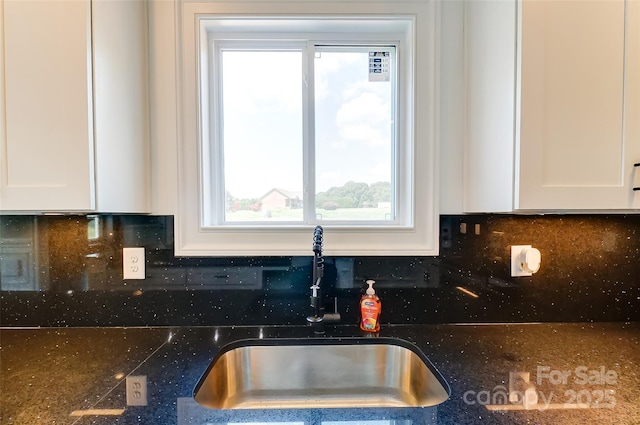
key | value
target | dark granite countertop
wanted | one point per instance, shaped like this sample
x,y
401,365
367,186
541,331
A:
x,y
584,373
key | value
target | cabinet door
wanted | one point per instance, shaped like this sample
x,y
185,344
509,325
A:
x,y
46,142
574,151
121,99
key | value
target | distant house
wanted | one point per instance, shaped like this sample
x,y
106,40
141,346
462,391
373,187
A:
x,y
277,199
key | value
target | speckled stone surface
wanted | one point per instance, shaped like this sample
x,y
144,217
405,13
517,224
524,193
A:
x,y
49,373
52,274
73,328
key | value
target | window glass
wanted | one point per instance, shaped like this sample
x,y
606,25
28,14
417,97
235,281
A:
x,y
354,134
262,135
351,150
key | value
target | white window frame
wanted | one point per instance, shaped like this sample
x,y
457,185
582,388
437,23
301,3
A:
x,y
415,233
212,159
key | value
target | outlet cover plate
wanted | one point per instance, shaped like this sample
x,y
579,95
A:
x,y
133,263
136,390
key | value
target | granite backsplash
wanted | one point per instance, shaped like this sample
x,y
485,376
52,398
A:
x,y
67,271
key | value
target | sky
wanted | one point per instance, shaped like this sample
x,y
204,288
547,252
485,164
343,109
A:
x,y
263,121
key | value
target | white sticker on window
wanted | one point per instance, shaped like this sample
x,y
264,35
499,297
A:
x,y
379,66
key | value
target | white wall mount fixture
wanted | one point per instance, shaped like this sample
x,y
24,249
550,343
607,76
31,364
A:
x,y
525,260
133,263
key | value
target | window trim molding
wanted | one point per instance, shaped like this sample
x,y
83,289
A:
x,y
421,238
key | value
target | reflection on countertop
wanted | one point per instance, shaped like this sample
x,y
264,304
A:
x,y
585,373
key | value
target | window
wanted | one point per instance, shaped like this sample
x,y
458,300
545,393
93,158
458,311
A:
x,y
295,117
320,146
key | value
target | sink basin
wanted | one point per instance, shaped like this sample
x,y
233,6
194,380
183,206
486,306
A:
x,y
320,373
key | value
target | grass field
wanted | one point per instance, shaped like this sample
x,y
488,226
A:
x,y
296,215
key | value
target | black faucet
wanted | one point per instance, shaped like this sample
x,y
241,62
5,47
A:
x,y
316,289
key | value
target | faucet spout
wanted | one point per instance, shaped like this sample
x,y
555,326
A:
x,y
317,239
318,259
318,274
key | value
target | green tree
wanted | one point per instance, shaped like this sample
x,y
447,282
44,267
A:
x,y
380,192
355,195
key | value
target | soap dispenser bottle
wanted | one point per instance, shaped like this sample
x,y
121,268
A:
x,y
370,308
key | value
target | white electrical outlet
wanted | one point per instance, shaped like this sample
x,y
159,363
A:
x,y
525,260
133,263
137,390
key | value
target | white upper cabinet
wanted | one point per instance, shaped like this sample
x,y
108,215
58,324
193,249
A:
x,y
73,106
553,105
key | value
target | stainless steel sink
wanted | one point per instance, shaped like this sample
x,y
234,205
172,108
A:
x,y
320,373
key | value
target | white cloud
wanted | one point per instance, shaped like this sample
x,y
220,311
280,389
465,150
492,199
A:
x,y
327,65
262,81
328,179
365,119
